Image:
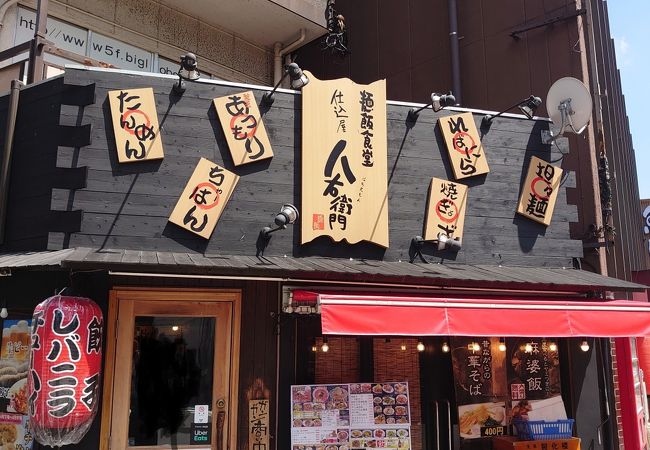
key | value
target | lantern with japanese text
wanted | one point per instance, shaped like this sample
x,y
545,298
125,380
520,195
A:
x,y
64,370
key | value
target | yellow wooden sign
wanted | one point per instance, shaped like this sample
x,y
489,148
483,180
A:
x,y
344,161
539,192
204,198
243,126
445,210
135,124
466,152
258,425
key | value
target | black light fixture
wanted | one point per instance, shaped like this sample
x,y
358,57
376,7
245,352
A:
x,y
187,71
527,107
287,216
298,80
438,102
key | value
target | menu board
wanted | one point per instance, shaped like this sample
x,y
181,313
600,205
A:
x,y
14,364
350,416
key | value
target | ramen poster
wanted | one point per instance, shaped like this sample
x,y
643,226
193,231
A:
x,y
344,416
14,365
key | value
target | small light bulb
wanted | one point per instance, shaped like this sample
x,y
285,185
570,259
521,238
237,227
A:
x,y
175,328
475,346
403,347
502,346
584,346
314,348
552,347
325,347
445,347
528,348
4,313
420,346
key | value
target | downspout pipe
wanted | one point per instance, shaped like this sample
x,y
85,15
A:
x,y
279,52
12,112
455,50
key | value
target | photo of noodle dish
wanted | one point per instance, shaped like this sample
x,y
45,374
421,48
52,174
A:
x,y
472,417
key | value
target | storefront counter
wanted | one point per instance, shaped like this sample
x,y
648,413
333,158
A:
x,y
511,443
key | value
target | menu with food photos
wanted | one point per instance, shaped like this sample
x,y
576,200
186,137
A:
x,y
351,416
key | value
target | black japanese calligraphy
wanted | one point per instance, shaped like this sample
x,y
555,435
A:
x,y
244,125
135,122
341,205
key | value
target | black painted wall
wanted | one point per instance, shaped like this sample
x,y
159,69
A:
x,y
127,205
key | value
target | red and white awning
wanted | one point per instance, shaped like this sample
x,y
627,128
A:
x,y
386,315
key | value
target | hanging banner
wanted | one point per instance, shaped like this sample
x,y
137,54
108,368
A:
x,y
445,210
204,198
14,366
480,382
135,124
243,126
466,153
344,161
540,190
65,369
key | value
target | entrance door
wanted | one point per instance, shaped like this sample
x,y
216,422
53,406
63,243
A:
x,y
174,383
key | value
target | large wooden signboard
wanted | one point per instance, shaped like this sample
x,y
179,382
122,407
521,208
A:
x,y
445,210
204,198
539,192
243,126
344,161
135,124
466,153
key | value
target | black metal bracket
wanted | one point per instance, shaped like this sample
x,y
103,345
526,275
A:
x,y
579,12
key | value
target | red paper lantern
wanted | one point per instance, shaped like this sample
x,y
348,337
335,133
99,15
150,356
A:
x,y
65,366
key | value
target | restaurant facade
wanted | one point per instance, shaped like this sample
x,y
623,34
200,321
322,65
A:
x,y
320,271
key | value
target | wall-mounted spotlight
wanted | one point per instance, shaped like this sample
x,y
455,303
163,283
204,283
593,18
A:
x,y
447,243
298,80
438,102
187,71
584,345
527,107
287,216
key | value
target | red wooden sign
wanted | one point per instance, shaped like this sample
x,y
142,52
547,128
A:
x,y
65,366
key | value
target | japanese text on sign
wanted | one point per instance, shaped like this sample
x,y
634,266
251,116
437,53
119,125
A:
x,y
135,124
445,210
204,198
540,190
463,145
243,126
344,176
258,425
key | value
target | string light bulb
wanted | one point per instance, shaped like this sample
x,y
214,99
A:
x,y
420,346
584,346
475,346
314,347
502,344
325,347
175,328
552,347
445,347
403,347
528,348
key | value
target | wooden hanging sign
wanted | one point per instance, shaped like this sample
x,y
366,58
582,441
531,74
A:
x,y
344,161
135,125
466,153
540,190
445,210
204,198
244,128
258,425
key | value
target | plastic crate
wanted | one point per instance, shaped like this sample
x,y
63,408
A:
x,y
539,430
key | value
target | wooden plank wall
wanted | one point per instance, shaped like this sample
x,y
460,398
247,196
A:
x,y
127,206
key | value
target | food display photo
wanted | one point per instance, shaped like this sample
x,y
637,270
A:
x,y
14,432
14,365
475,418
390,402
388,438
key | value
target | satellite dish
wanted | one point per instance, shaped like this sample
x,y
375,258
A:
x,y
569,106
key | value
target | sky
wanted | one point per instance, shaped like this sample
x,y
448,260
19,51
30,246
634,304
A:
x,y
631,33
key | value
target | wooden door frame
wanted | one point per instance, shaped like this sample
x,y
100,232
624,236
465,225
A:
x,y
171,294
